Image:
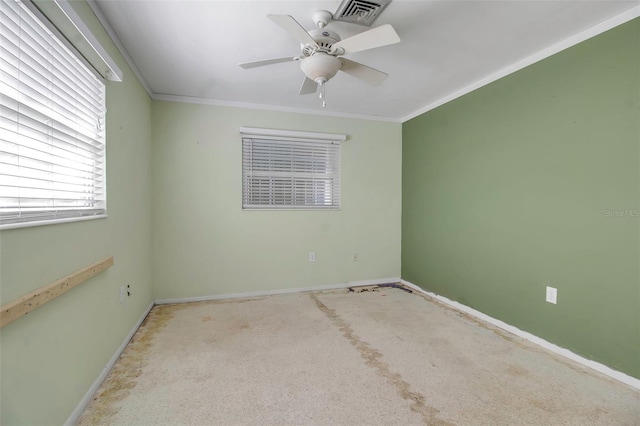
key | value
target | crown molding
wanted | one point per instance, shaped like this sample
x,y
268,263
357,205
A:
x,y
597,29
123,51
247,105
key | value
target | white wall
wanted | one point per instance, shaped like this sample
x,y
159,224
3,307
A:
x,y
50,358
205,244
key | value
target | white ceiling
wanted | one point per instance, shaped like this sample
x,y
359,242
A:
x,y
192,48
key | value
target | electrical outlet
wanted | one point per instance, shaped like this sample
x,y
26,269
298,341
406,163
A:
x,y
354,257
312,256
552,295
123,293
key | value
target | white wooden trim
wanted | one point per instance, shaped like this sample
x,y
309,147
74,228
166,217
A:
x,y
257,132
114,37
542,54
86,399
111,71
278,291
601,368
263,107
17,225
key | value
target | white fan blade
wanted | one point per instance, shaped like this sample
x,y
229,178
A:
x,y
376,37
292,26
308,86
247,65
367,74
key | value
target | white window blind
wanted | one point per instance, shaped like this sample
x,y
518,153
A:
x,y
52,139
290,172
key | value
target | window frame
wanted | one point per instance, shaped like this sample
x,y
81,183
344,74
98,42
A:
x,y
299,139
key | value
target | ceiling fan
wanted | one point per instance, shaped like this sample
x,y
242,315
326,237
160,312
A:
x,y
322,52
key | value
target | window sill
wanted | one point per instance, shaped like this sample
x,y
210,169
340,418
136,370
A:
x,y
49,222
292,209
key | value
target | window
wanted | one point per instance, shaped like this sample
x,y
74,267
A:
x,y
290,170
52,138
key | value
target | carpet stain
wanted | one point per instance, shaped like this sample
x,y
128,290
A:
x,y
547,406
373,359
236,327
127,369
516,371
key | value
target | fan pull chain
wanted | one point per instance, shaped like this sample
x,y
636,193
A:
x,y
322,96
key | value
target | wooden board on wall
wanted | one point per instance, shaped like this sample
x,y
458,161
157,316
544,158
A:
x,y
11,311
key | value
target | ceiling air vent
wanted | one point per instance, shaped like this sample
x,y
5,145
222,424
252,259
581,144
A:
x,y
361,12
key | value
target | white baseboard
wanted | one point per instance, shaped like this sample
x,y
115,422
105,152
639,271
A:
x,y
278,291
75,415
601,368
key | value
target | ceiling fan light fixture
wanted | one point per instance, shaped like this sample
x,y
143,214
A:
x,y
320,67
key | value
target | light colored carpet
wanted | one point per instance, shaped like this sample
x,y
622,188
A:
x,y
381,356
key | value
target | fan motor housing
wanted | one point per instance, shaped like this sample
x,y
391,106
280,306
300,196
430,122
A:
x,y
325,40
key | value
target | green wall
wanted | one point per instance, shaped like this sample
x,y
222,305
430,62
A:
x,y
205,244
530,181
51,357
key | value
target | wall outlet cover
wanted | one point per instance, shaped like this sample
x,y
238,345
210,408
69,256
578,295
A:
x,y
552,295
